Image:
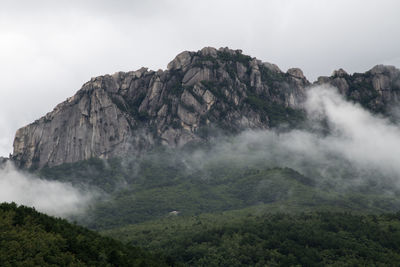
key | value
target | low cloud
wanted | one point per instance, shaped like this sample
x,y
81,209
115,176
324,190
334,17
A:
x,y
358,149
366,140
51,197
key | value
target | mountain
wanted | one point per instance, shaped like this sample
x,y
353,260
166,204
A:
x,y
206,190
377,90
114,115
128,113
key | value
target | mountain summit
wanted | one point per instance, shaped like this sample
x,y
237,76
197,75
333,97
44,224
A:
x,y
130,112
112,115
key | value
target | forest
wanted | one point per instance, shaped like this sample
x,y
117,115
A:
x,y
30,238
241,238
233,238
248,214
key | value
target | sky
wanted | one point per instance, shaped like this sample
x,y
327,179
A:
x,y
48,49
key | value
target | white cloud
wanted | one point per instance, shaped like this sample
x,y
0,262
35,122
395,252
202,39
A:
x,y
357,135
51,197
359,147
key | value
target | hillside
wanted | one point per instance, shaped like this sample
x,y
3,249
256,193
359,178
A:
x,y
164,181
29,238
242,238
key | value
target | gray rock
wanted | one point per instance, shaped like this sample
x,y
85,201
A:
x,y
127,113
196,75
272,67
377,89
296,72
340,73
383,69
186,116
181,61
209,51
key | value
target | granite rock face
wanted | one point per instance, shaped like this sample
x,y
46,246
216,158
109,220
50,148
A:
x,y
377,89
130,112
127,113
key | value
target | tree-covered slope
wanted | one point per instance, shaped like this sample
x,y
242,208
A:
x,y
241,238
166,181
29,238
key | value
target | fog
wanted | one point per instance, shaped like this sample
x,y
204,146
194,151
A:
x,y
358,149
51,197
341,146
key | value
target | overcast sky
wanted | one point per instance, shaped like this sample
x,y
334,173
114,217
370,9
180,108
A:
x,y
48,49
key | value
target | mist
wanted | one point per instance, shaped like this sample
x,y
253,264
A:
x,y
343,145
51,197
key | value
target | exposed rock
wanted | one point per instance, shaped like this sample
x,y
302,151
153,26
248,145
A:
x,y
296,72
129,112
186,116
189,100
272,67
340,73
377,89
209,51
181,61
241,70
196,75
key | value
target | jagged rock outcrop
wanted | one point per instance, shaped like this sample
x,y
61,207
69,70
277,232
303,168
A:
x,y
377,89
128,112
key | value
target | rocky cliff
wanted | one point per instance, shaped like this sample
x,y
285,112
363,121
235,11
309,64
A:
x,y
124,113
127,113
377,89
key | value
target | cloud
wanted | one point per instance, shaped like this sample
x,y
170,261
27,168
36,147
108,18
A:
x,y
51,197
359,148
357,135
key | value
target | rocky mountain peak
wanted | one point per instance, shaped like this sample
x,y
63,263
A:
x,y
377,89
384,69
339,73
181,61
126,113
130,112
296,72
